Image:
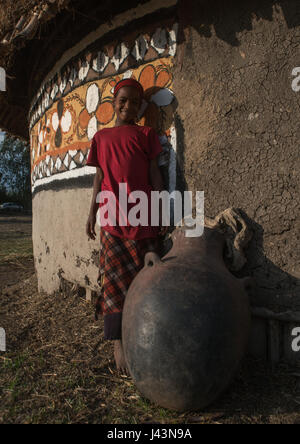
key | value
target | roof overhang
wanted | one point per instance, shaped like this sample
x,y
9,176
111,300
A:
x,y
40,35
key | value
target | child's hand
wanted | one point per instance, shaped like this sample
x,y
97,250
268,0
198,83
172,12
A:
x,y
90,227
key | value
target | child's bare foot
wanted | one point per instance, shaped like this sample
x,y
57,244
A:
x,y
120,358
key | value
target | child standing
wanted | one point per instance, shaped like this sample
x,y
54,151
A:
x,y
126,153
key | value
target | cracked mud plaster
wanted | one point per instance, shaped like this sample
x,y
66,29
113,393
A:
x,y
96,258
240,138
81,260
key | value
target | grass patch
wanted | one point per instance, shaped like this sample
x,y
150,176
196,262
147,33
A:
x,y
59,370
12,250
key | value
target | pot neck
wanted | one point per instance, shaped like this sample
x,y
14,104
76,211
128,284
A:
x,y
211,240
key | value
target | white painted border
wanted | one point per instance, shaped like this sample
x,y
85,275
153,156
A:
x,y
79,172
87,170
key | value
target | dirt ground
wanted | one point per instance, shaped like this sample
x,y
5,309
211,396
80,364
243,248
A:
x,y
15,249
58,369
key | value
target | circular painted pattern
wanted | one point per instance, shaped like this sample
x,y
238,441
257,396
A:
x,y
71,109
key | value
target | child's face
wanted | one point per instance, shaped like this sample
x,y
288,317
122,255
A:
x,y
127,105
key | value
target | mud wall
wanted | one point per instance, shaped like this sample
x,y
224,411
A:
x,y
222,92
238,129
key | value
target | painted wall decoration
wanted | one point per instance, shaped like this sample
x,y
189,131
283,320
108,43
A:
x,y
72,109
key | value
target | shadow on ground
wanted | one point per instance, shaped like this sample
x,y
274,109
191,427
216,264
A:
x,y
58,369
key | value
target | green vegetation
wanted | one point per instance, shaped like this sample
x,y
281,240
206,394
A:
x,y
12,250
15,239
15,171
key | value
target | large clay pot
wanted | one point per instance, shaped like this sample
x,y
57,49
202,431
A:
x,y
186,322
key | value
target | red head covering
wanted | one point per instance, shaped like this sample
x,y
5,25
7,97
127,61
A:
x,y
129,82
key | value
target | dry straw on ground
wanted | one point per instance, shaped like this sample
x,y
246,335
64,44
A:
x,y
58,369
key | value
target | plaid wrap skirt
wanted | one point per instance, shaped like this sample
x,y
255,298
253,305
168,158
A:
x,y
120,261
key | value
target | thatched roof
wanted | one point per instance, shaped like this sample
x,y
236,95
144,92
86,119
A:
x,y
16,14
20,21
33,36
